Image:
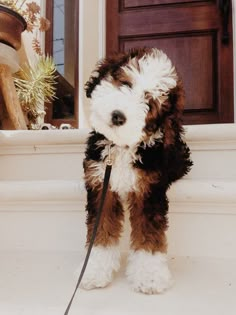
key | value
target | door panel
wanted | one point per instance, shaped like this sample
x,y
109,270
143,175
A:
x,y
186,50
166,21
128,4
190,32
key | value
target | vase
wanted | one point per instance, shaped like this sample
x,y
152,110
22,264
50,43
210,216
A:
x,y
12,24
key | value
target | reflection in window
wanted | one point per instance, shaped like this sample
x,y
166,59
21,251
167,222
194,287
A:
x,y
58,34
64,48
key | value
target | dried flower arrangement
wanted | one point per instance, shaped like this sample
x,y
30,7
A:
x,y
35,83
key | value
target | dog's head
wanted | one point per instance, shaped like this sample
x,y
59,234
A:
x,y
135,97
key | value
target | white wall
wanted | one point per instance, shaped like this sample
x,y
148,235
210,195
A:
x,y
91,48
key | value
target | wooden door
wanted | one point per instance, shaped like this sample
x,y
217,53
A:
x,y
196,35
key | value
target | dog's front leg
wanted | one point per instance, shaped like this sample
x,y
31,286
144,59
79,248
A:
x,y
147,269
105,255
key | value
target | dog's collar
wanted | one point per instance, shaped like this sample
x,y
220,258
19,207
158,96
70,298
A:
x,y
109,158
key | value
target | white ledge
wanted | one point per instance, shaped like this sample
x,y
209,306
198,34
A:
x,y
213,132
218,193
42,190
204,191
43,137
194,133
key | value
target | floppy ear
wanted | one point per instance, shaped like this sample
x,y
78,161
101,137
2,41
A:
x,y
105,67
101,71
172,109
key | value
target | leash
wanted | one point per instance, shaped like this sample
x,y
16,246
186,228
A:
x,y
95,228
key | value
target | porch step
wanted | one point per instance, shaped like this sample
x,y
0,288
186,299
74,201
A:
x,y
42,229
70,195
58,154
36,283
49,215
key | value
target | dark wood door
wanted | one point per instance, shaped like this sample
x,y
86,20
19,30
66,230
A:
x,y
194,35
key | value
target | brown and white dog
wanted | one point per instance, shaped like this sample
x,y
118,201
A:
x,y
136,103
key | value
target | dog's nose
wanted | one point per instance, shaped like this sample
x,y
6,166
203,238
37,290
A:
x,y
118,118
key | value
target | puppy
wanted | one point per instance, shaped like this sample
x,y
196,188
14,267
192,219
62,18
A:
x,y
137,101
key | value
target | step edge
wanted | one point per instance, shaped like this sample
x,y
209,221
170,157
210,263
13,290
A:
x,y
193,133
60,194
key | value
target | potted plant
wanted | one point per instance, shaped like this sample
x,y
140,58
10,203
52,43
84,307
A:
x,y
34,82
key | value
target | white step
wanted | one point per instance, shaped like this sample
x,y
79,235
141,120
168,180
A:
x,y
64,195
213,151
50,215
41,283
42,229
58,154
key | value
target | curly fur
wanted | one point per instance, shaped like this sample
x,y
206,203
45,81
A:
x,y
148,155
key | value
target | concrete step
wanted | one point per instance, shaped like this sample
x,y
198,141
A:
x,y
42,229
213,151
58,154
70,195
49,215
36,283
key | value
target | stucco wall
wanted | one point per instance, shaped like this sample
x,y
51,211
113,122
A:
x,y
91,47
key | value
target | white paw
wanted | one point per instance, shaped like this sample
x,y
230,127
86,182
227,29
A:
x,y
102,264
148,273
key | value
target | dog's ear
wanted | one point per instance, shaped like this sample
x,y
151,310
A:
x,y
101,71
152,123
105,67
172,110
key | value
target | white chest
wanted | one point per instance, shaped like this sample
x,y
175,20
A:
x,y
123,175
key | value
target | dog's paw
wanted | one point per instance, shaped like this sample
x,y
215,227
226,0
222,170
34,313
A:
x,y
148,273
102,264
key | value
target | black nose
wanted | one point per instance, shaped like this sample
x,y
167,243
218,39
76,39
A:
x,y
118,118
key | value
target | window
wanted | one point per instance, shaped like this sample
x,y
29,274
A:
x,y
61,42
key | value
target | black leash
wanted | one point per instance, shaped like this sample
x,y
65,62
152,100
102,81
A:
x,y
98,217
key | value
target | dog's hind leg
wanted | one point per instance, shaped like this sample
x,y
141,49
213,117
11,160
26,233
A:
x,y
147,269
105,255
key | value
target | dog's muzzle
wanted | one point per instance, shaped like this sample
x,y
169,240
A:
x,y
118,118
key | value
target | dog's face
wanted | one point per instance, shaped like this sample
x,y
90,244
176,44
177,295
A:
x,y
132,95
